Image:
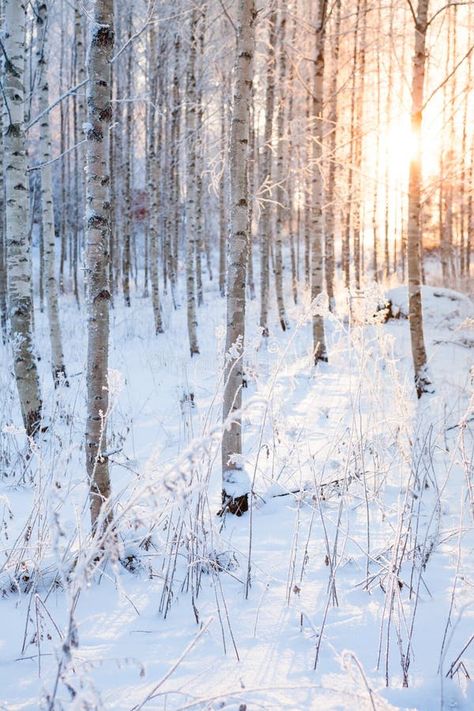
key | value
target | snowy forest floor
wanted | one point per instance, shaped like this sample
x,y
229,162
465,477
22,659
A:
x,y
356,556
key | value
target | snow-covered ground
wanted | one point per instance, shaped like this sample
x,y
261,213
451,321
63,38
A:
x,y
348,585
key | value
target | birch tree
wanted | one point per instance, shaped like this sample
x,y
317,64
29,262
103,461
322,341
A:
x,y
174,183
197,148
346,246
223,220
47,211
153,183
319,342
98,216
464,186
191,191
63,140
265,213
331,189
3,261
358,216
79,109
20,303
470,216
280,179
388,116
127,169
414,203
235,482
375,231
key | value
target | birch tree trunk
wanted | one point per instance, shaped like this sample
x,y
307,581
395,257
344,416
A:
x,y
235,481
153,184
191,225
17,234
79,174
375,226
199,154
223,221
319,343
452,138
469,172
35,206
163,158
331,190
114,268
251,172
307,191
346,240
293,214
465,158
99,95
47,211
174,178
388,119
470,217
358,218
127,168
116,143
414,204
63,236
151,60
443,206
3,260
265,212
280,179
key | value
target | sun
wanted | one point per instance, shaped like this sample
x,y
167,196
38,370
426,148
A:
x,y
398,148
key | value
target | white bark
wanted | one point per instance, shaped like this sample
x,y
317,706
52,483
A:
x,y
127,171
17,233
319,343
152,138
47,211
331,190
307,192
173,210
251,178
293,219
191,192
198,149
79,120
346,248
223,219
98,218
358,218
470,217
265,213
280,179
235,483
388,118
3,262
414,204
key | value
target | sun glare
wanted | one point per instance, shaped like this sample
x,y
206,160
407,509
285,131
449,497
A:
x,y
399,148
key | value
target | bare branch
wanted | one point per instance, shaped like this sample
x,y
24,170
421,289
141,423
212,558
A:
x,y
446,79
53,160
70,92
446,7
228,16
412,11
